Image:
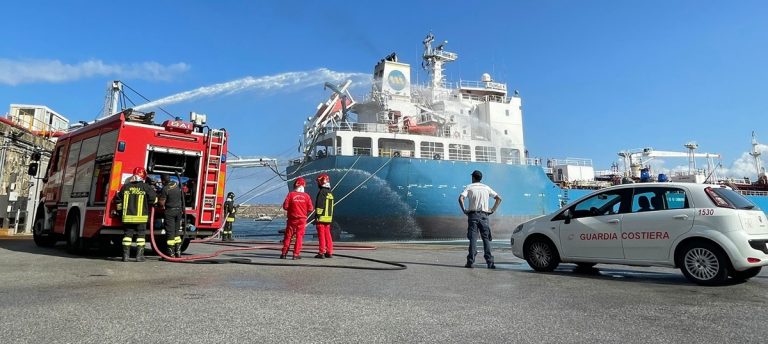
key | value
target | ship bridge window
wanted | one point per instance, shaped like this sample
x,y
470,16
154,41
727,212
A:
x,y
483,153
510,156
325,147
361,146
459,152
432,150
396,148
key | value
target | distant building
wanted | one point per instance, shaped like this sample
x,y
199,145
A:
x,y
38,119
27,129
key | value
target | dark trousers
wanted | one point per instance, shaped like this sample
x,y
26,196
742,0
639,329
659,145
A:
x,y
172,219
478,222
138,229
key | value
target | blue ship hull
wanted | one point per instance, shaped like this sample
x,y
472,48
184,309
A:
x,y
418,198
402,198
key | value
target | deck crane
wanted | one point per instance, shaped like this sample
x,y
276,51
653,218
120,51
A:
x,y
333,111
637,159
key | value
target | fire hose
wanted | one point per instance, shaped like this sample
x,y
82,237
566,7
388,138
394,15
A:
x,y
263,246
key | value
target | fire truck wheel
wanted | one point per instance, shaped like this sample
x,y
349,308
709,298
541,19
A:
x,y
185,244
41,239
75,244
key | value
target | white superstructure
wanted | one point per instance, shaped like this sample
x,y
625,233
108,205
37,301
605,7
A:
x,y
463,121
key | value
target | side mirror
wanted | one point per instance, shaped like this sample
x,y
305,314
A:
x,y
32,169
567,215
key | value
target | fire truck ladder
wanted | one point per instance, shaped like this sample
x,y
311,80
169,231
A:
x,y
212,175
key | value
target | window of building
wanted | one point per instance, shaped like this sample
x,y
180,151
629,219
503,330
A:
x,y
507,114
506,132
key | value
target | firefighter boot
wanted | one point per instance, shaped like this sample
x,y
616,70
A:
x,y
140,253
126,253
169,251
177,250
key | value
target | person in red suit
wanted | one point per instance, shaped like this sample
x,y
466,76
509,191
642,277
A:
x,y
298,205
324,216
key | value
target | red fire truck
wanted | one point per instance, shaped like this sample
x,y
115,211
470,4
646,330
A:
x,y
89,165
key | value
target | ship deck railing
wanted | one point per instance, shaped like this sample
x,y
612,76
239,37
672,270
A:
x,y
490,85
570,162
752,192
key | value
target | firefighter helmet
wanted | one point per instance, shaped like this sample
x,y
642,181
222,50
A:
x,y
231,195
299,182
140,171
323,179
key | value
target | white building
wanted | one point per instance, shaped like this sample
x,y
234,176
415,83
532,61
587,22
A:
x,y
38,119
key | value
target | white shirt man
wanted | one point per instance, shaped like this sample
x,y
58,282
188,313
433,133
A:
x,y
477,195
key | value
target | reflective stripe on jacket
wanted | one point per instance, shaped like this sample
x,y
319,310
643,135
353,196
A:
x,y
231,210
324,204
134,199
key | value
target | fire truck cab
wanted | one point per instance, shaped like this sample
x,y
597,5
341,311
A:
x,y
89,165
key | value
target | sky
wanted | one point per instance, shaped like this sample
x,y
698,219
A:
x,y
595,77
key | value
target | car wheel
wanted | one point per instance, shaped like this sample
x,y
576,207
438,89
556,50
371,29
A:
x,y
541,254
75,244
585,266
704,263
746,274
185,244
42,239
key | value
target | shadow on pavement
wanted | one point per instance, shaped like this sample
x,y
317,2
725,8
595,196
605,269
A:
x,y
673,277
59,250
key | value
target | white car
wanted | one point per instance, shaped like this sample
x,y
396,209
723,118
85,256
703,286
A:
x,y
710,232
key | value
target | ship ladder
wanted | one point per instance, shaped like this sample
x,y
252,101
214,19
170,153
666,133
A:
x,y
212,190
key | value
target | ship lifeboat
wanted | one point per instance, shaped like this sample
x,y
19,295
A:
x,y
412,128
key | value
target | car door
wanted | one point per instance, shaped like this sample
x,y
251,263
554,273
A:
x,y
593,226
647,234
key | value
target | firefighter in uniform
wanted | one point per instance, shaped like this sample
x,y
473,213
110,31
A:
x,y
170,200
231,210
299,205
324,216
133,201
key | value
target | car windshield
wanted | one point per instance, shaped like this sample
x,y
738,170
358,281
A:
x,y
735,199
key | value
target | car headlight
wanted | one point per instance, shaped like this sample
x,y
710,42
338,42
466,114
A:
x,y
518,229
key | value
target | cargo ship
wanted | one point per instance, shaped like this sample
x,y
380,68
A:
x,y
399,157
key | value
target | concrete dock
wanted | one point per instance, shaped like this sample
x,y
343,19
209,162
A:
x,y
49,296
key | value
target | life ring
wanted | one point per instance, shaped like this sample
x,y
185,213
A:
x,y
396,154
436,156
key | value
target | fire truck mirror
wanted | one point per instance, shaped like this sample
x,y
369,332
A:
x,y
32,169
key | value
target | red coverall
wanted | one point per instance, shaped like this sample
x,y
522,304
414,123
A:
x,y
298,205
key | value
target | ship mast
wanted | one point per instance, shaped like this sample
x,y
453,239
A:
x,y
434,58
755,153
